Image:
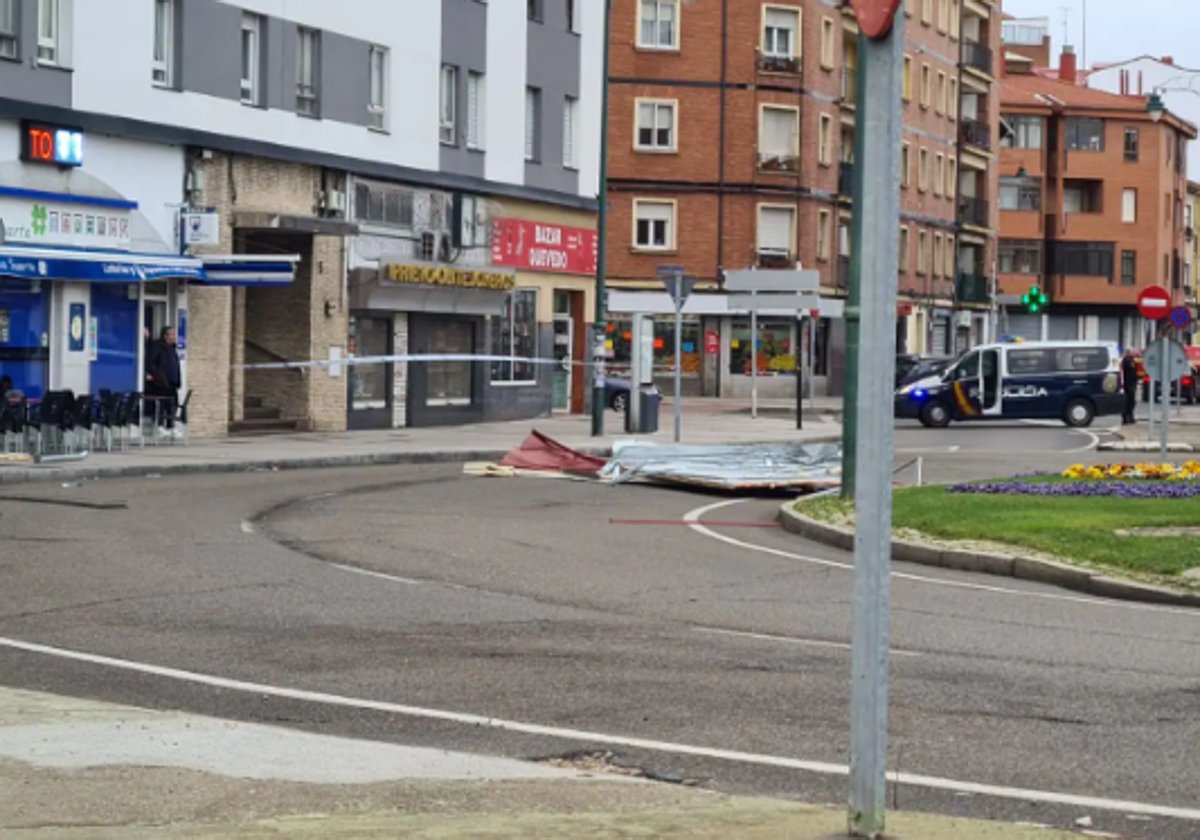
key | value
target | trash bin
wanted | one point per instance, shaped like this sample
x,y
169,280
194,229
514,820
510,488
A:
x,y
650,400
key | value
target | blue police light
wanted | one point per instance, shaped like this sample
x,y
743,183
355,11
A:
x,y
918,394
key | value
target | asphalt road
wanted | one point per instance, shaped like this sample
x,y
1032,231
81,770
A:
x,y
599,615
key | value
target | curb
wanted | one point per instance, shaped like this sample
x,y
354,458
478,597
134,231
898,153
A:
x,y
1061,575
1145,446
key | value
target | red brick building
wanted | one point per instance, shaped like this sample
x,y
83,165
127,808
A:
x,y
731,145
1093,191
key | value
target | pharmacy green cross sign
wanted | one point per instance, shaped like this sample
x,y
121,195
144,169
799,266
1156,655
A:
x,y
1035,300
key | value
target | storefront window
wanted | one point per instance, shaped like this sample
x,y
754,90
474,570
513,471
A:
x,y
450,381
620,334
24,335
514,334
117,333
776,348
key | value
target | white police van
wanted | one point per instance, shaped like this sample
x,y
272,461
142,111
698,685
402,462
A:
x,y
1072,381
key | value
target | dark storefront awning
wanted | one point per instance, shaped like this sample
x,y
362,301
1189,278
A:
x,y
93,266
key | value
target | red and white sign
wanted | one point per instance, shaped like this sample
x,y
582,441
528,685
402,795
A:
x,y
712,342
1154,303
875,16
536,246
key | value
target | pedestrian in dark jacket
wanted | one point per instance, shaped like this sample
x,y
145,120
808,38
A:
x,y
163,380
1129,382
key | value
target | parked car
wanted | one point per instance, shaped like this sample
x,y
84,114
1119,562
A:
x,y
912,366
616,393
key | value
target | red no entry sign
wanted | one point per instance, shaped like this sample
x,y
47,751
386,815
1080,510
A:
x,y
875,16
1154,303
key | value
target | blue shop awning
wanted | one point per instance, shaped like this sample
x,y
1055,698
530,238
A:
x,y
88,266
249,269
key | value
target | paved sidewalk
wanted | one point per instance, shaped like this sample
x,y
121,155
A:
x,y
80,769
704,422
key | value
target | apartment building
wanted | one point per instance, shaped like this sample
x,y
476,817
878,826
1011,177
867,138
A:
x,y
1093,206
731,144
299,181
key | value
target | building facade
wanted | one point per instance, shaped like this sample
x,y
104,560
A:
x,y
296,185
1093,198
731,145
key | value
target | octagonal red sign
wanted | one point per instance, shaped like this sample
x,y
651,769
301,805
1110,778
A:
x,y
875,16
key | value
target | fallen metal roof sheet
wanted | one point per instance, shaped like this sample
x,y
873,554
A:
x,y
773,466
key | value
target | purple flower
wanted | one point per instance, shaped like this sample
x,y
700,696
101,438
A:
x,y
1093,489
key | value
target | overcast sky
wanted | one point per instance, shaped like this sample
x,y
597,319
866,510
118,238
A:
x,y
1120,29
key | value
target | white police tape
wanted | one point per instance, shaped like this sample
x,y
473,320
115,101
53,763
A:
x,y
351,361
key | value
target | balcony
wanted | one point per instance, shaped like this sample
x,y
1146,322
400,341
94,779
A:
x,y
779,64
849,87
779,163
975,133
845,179
971,288
774,258
977,56
972,211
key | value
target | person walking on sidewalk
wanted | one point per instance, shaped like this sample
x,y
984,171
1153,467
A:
x,y
1129,382
163,380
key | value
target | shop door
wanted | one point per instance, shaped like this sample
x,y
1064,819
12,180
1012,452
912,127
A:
x,y
25,336
370,384
564,341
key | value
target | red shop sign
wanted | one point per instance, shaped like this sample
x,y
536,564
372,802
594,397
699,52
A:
x,y
536,246
712,342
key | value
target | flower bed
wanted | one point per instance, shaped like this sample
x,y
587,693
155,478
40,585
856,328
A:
x,y
1133,489
1145,472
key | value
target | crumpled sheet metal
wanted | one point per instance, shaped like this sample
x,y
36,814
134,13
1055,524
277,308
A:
x,y
773,466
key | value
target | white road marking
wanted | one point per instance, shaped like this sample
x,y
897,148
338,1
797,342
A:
x,y
247,527
694,517
379,575
816,767
1093,442
931,449
791,640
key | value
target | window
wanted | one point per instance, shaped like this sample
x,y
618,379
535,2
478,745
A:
x,y
1083,259
926,85
570,126
779,32
908,78
377,66
955,19
385,205
573,16
251,59
827,44
1020,194
476,110
1083,196
825,140
1166,269
448,108
779,139
164,42
533,124
776,226
952,178
49,31
951,256
1128,206
927,12
1023,132
659,29
938,258
9,37
939,174
952,104
923,169
654,225
823,223
1081,360
905,165
1131,145
939,105
922,252
307,72
1129,268
474,230
533,10
1085,134
656,125
514,334
1019,256
903,259
943,15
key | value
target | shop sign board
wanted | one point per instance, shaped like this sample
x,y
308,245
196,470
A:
x,y
540,246
201,228
37,222
440,275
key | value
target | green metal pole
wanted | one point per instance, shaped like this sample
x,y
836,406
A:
x,y
600,324
854,298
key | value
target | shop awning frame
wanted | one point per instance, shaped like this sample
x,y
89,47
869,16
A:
x,y
28,262
249,270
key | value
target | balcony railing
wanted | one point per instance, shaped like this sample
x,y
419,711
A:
x,y
975,133
972,211
773,258
845,178
849,86
778,64
772,162
978,56
971,288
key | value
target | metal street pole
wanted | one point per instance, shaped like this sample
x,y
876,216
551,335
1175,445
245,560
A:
x,y
875,254
679,298
600,325
754,361
1163,347
1150,384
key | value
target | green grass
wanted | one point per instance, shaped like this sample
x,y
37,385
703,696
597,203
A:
x,y
1079,529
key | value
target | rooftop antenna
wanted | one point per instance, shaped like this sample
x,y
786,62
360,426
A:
x,y
1066,23
1083,45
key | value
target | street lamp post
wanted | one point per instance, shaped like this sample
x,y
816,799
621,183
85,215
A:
x,y
600,324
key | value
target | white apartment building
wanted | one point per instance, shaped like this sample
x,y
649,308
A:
x,y
300,180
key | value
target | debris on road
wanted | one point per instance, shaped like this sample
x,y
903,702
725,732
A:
x,y
541,453
744,467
